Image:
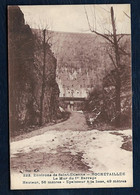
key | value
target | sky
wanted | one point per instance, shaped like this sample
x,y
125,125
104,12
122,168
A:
x,y
72,18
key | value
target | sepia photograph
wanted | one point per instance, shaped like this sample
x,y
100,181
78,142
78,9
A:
x,y
70,96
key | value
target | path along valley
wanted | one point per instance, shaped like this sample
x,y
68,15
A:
x,y
71,147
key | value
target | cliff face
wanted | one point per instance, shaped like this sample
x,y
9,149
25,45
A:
x,y
25,76
20,57
50,108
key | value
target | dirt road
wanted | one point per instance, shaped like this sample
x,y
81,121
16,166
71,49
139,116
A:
x,y
70,147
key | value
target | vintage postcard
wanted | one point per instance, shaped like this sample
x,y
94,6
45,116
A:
x,y
70,96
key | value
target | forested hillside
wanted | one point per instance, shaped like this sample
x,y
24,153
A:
x,y
83,60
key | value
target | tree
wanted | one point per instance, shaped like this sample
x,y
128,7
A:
x,y
45,64
43,77
114,40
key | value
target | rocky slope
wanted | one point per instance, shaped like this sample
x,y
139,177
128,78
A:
x,y
25,76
